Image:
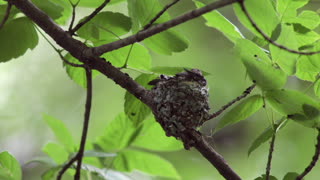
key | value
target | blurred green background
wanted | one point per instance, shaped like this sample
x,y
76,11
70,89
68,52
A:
x,y
37,83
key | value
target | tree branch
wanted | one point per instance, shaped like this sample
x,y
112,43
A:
x,y
85,54
266,37
160,27
314,160
271,149
194,137
6,15
88,18
223,108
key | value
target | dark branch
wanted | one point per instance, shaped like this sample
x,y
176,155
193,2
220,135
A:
x,y
313,161
271,149
266,37
244,94
159,14
73,13
6,15
194,137
85,123
160,27
85,54
88,18
67,166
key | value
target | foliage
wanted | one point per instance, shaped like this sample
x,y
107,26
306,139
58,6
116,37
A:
x,y
132,139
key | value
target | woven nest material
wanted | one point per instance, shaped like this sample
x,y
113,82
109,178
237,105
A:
x,y
181,101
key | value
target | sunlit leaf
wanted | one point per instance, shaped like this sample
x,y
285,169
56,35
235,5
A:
x,y
167,42
136,110
288,102
259,66
56,152
138,58
9,167
266,135
216,20
117,135
316,88
309,19
105,26
96,3
153,137
17,36
241,111
286,60
66,13
61,132
52,9
287,9
152,164
306,69
263,14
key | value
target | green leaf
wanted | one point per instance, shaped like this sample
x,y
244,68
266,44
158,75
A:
x,y
66,13
56,152
43,160
61,132
216,20
288,102
96,3
308,19
13,12
9,167
286,60
167,42
152,164
118,134
306,69
153,137
78,74
290,176
287,9
316,87
136,110
264,177
17,36
51,173
105,26
259,66
51,9
241,111
266,135
173,70
138,58
262,13
309,118
105,173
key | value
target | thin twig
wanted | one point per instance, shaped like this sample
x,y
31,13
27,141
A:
x,y
58,51
73,13
88,18
271,149
159,14
141,35
266,37
67,166
313,161
244,94
6,15
85,123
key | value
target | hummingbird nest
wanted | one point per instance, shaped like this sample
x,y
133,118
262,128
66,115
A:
x,y
181,101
